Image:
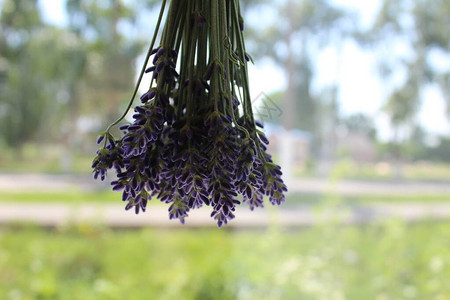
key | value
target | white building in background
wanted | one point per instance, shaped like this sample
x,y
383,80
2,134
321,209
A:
x,y
291,149
301,142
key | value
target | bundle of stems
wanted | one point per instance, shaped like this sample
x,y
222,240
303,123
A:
x,y
194,140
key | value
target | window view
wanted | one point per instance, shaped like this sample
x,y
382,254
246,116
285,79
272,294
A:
x,y
224,149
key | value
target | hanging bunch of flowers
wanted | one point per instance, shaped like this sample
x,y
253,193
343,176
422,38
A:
x,y
194,141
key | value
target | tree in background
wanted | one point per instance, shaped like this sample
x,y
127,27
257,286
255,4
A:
x,y
110,72
34,63
50,75
422,30
360,123
292,42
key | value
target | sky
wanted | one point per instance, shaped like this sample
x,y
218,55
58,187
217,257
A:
x,y
355,72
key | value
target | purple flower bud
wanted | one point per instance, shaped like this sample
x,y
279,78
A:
x,y
151,69
118,186
160,66
152,93
148,96
144,98
100,139
124,127
263,138
259,124
154,51
160,52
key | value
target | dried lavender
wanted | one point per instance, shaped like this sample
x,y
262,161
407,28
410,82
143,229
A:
x,y
194,140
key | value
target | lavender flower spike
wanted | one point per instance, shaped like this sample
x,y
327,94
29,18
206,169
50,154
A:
x,y
193,141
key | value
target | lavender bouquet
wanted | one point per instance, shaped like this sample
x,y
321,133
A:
x,y
193,140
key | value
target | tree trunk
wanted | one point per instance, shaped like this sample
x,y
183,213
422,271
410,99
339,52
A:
x,y
288,121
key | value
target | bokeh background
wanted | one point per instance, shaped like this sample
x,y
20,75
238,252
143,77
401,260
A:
x,y
355,96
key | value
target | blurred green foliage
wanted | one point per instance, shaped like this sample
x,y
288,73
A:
x,y
424,30
385,261
109,197
34,62
420,170
72,196
61,83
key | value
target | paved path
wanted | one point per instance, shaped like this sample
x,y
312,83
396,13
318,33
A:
x,y
44,182
114,216
365,187
48,182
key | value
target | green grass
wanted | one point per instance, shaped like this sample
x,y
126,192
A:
x,y
385,261
106,196
422,171
308,198
44,159
71,196
80,165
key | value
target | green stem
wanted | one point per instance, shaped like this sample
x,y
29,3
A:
x,y
141,75
215,54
